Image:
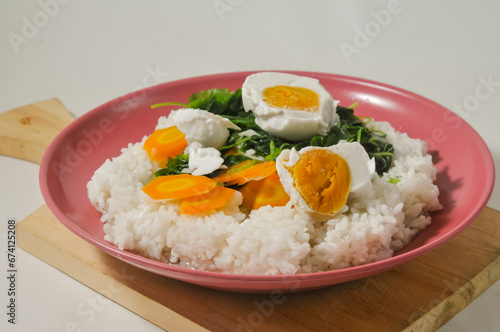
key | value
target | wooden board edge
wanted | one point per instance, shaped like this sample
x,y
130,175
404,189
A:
x,y
437,311
450,306
27,131
103,284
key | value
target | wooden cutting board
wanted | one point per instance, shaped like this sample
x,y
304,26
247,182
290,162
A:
x,y
420,295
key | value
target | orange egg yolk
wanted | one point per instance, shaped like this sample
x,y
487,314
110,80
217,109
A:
x,y
323,179
291,97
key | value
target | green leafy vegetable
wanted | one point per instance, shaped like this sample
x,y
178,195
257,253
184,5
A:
x,y
228,104
217,101
352,129
174,165
234,159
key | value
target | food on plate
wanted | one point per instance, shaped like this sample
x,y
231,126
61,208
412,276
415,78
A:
x,y
274,178
165,143
208,129
289,106
266,191
320,179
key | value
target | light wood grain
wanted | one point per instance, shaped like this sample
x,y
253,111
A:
x,y
42,235
26,132
420,295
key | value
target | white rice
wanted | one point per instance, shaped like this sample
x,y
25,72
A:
x,y
270,241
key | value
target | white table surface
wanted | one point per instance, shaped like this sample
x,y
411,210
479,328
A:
x,y
88,52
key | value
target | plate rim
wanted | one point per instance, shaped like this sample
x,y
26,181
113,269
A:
x,y
136,259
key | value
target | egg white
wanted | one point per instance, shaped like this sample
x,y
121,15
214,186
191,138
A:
x,y
202,160
208,129
293,125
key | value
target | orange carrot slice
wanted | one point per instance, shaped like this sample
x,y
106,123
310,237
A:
x,y
255,172
267,191
231,173
233,151
168,187
214,199
242,173
165,143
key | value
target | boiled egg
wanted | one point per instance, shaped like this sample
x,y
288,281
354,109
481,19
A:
x,y
208,129
321,179
202,160
289,106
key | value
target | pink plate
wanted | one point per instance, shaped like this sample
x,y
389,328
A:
x,y
465,170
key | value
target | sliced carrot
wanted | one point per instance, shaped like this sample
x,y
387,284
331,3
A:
x,y
165,143
267,191
231,173
255,172
214,199
242,166
233,151
243,172
178,186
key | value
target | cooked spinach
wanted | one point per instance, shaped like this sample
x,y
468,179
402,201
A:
x,y
174,165
352,129
233,159
228,104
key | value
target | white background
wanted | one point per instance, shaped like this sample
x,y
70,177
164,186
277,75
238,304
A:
x,y
88,52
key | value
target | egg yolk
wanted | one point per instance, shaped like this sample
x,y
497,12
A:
x,y
323,179
291,97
